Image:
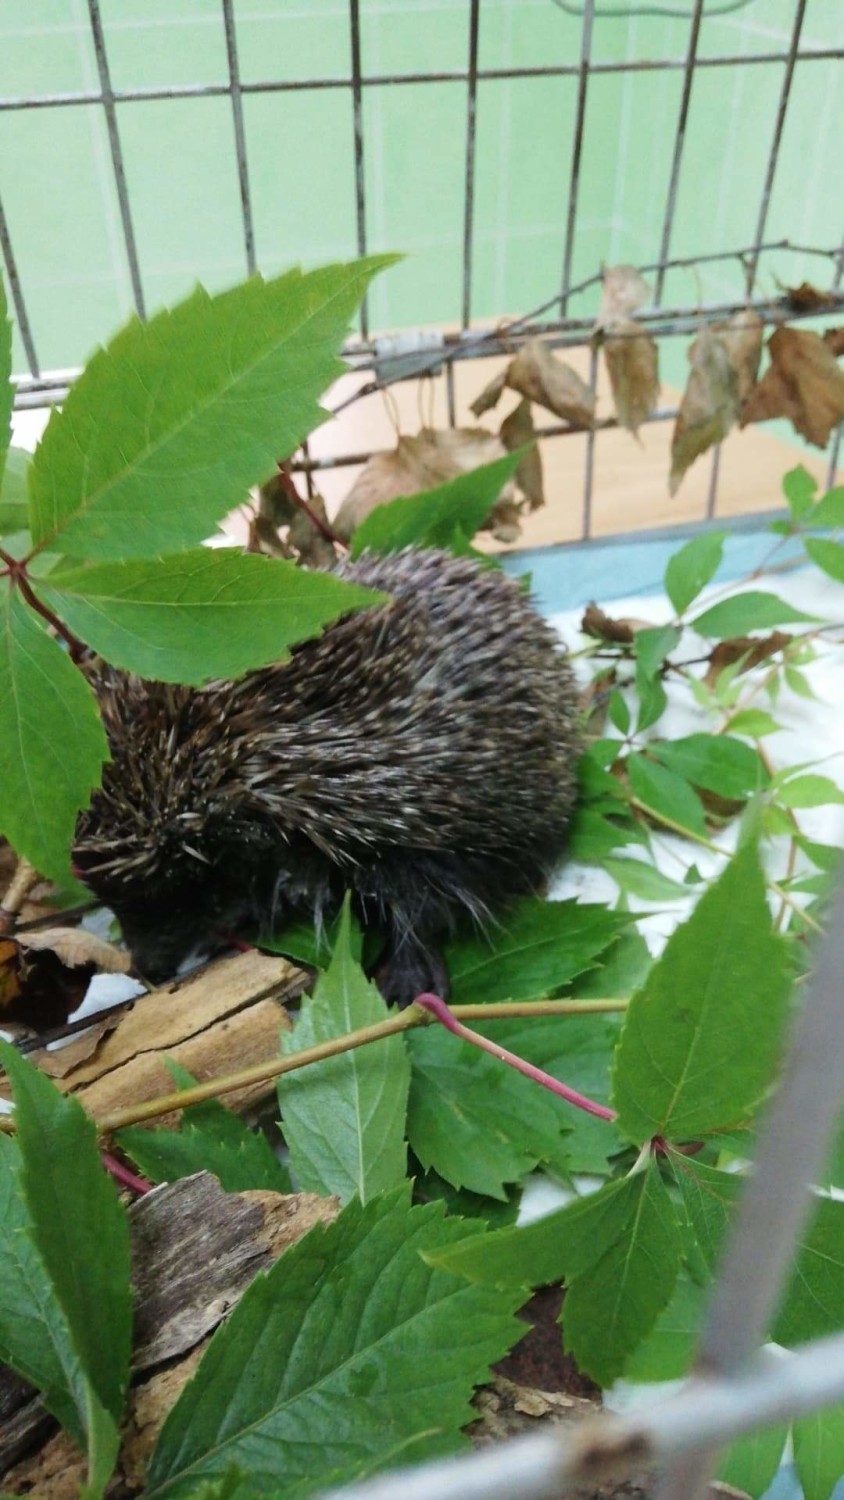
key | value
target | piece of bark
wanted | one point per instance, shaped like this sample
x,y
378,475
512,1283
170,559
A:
x,y
195,1250
223,1019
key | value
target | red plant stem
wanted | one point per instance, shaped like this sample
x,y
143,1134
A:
x,y
16,572
123,1175
288,483
440,1010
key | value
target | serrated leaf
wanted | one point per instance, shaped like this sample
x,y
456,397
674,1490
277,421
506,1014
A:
x,y
476,1122
708,1198
819,1452
619,711
692,568
429,1187
199,615
663,792
701,1036
644,881
651,647
78,1225
211,1139
753,610
169,425
668,1350
809,791
349,1348
712,761
813,1305
7,390
593,837
34,1336
344,1118
828,555
537,947
52,742
799,488
14,507
428,519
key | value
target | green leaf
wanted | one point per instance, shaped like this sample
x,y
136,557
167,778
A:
x,y
538,947
475,1121
593,837
708,1198
668,1350
814,1302
344,1118
350,1348
14,507
693,567
827,555
753,610
7,390
34,1336
52,742
809,791
429,1187
211,1139
78,1224
754,722
619,711
170,424
750,1464
663,792
829,510
701,1036
429,519
644,881
799,488
618,1251
819,1452
199,615
652,646
712,761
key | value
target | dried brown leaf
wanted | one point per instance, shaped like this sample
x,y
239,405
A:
x,y
742,337
710,403
632,361
750,647
807,298
74,946
505,521
539,375
518,431
417,463
490,395
603,627
624,292
834,340
803,382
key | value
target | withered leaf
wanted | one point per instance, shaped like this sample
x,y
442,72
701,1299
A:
x,y
807,298
518,431
803,382
624,291
633,367
749,647
490,395
37,989
603,627
742,336
417,463
710,403
834,340
539,375
74,946
505,521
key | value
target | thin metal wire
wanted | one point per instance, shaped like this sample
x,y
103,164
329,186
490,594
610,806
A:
x,y
714,475
469,192
449,394
357,119
589,464
577,149
235,92
380,80
107,99
18,301
679,142
775,144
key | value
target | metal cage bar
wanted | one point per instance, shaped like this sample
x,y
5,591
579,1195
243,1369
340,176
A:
x,y
239,135
776,142
577,149
469,188
677,159
357,126
107,100
18,300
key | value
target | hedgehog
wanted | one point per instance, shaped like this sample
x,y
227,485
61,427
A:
x,y
419,753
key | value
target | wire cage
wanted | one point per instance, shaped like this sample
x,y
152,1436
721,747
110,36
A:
x,y
615,114
696,139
